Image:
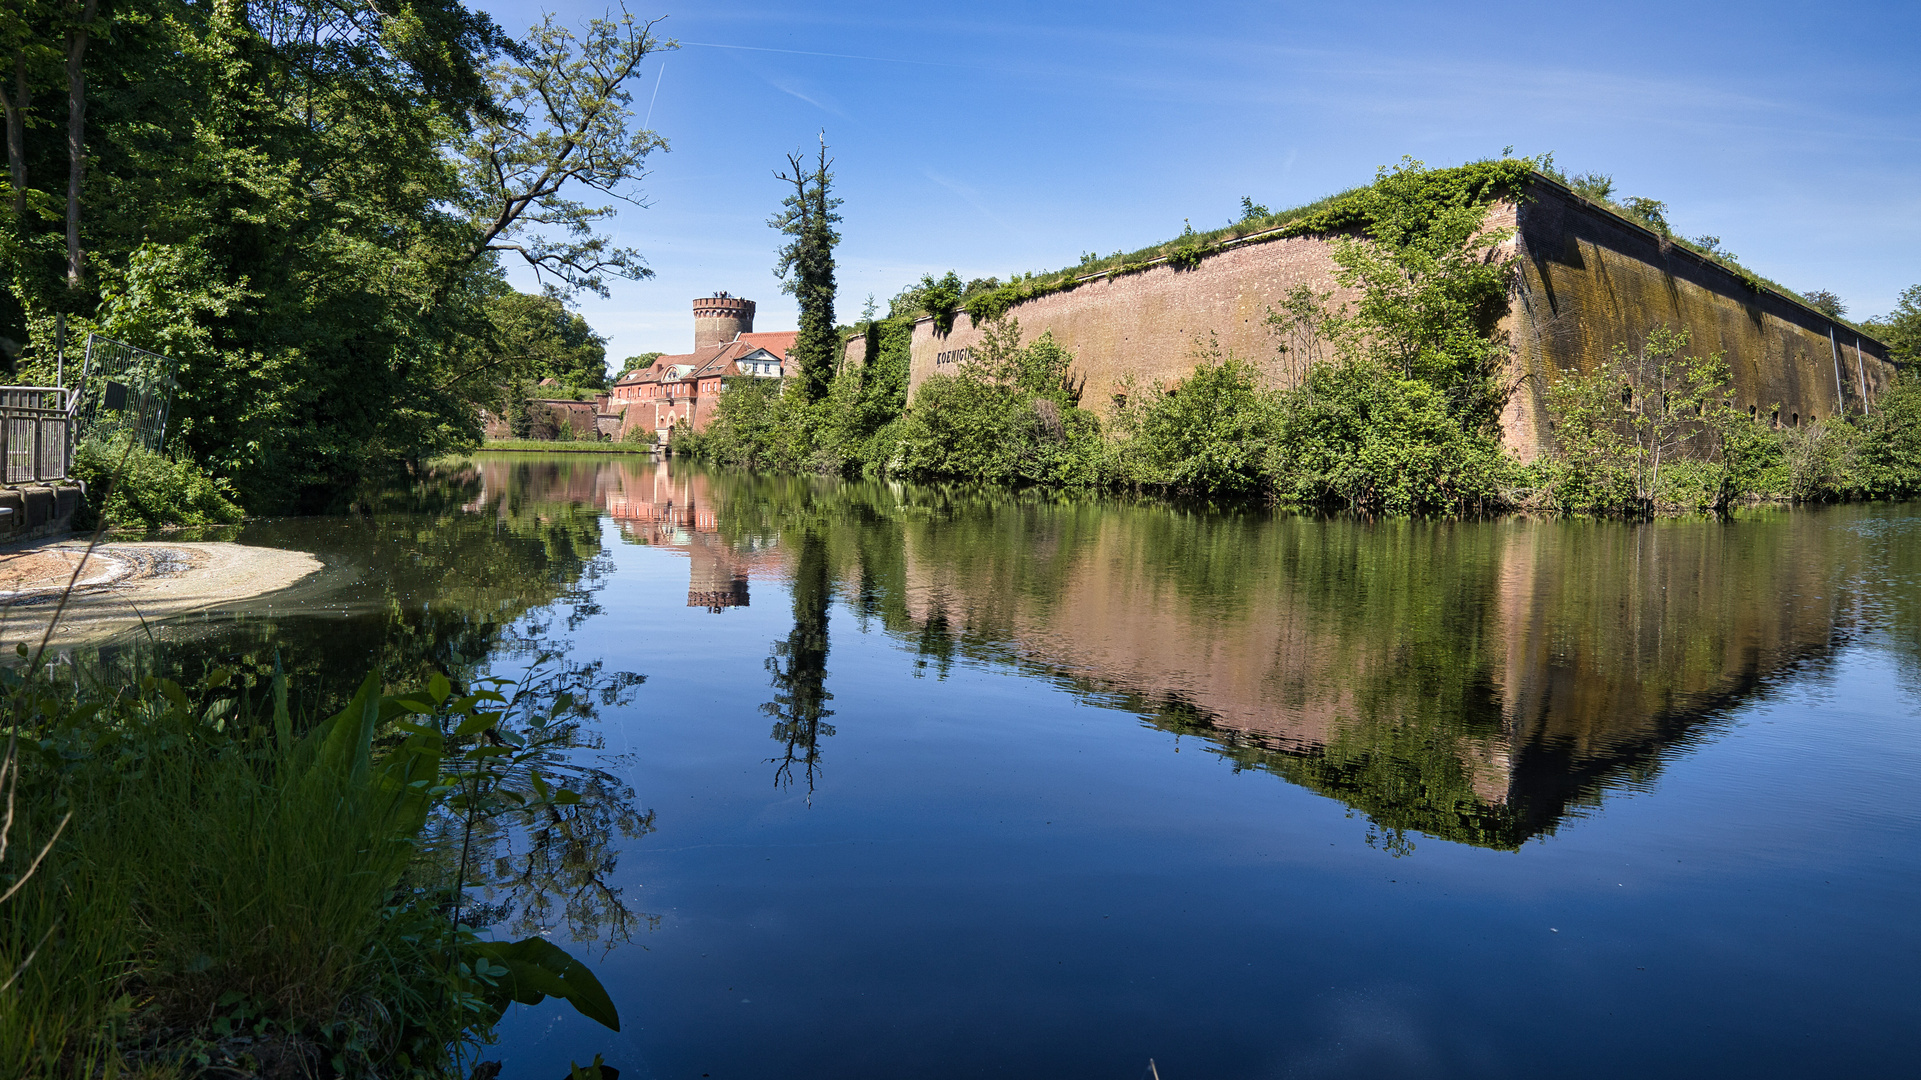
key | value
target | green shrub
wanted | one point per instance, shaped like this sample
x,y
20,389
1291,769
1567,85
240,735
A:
x,y
1010,415
1889,455
224,894
1358,435
1211,436
142,489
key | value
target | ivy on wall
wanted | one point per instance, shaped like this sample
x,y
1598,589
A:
x,y
1402,200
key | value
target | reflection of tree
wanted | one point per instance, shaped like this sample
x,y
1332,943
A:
x,y
556,869
1478,682
799,667
454,576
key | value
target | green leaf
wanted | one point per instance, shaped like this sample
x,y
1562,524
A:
x,y
439,688
538,969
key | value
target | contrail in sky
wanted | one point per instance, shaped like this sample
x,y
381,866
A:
x,y
837,56
656,97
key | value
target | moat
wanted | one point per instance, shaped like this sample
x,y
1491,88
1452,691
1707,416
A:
x,y
945,782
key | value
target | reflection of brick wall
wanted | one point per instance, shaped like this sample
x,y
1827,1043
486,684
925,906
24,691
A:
x,y
1589,280
1594,643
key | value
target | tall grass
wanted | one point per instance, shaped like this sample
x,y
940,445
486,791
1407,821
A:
x,y
233,892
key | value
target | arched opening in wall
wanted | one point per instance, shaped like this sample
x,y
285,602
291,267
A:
x,y
1794,419
1774,419
1751,411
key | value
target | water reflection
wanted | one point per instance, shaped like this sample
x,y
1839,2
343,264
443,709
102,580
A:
x,y
799,668
1478,682
1465,688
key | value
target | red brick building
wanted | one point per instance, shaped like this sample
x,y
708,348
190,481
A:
x,y
686,389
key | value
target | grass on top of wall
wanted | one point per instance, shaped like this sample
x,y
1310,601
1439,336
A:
x,y
1408,191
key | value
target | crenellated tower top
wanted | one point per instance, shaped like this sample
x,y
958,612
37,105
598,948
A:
x,y
720,318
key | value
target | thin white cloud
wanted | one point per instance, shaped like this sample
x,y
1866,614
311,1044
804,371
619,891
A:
x,y
970,197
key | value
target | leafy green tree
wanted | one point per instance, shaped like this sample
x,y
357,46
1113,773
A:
x,y
1825,302
1901,328
267,206
805,266
939,297
558,122
534,335
1592,185
303,202
639,362
1650,212
1889,456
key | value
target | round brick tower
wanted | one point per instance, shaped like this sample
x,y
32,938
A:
x,y
718,318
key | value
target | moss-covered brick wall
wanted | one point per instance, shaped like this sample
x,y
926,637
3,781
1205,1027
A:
x,y
1590,279
1587,279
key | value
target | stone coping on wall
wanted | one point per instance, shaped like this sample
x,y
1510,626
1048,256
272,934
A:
x,y
37,511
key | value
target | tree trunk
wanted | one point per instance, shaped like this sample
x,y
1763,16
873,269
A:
x,y
76,136
16,108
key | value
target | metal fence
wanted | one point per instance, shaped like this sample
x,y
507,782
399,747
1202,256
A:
x,y
35,433
123,392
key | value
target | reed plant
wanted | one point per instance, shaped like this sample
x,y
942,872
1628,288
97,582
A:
x,y
232,892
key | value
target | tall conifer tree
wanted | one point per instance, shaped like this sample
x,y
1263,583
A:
x,y
805,265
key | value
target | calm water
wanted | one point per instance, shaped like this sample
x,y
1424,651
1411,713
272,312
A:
x,y
943,783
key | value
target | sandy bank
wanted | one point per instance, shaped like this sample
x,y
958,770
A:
x,y
125,585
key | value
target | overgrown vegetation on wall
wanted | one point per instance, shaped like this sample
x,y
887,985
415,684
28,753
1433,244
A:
x,y
986,299
1391,404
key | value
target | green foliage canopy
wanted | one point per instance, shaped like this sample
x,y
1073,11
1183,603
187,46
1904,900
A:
x,y
282,196
535,336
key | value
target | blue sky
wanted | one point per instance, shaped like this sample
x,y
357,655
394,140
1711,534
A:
x,y
993,137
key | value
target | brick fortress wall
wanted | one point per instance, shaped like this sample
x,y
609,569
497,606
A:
x,y
1588,280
